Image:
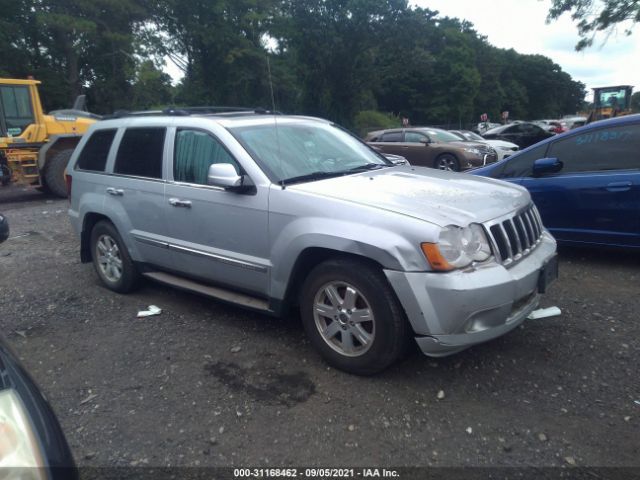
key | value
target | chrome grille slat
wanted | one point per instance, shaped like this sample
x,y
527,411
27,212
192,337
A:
x,y
506,241
516,236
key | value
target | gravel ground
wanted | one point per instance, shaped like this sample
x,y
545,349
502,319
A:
x,y
212,385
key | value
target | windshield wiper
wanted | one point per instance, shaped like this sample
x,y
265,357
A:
x,y
366,167
309,177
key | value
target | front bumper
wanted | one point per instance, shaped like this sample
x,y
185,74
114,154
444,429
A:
x,y
453,311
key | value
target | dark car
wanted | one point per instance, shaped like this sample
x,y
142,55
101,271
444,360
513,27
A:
x,y
32,444
4,228
31,439
432,147
523,134
585,182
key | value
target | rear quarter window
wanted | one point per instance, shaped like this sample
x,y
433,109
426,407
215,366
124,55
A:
x,y
140,152
95,152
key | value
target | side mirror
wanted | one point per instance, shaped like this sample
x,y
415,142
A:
x,y
224,175
543,166
425,141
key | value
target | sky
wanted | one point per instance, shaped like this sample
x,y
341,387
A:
x,y
520,24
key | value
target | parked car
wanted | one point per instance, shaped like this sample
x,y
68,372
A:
x,y
274,212
396,159
522,134
4,228
586,182
484,126
503,149
32,444
432,147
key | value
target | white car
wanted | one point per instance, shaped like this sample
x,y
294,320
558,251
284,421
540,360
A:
x,y
502,148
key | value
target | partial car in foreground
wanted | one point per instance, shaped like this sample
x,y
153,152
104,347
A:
x,y
585,183
4,228
274,212
432,147
523,134
32,444
503,149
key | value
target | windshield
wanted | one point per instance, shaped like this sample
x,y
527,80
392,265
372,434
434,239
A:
x,y
442,136
306,150
472,136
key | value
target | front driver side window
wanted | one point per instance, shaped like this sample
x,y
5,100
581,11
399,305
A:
x,y
522,165
195,152
612,148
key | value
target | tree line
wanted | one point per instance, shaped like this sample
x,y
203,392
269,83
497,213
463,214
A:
x,y
331,58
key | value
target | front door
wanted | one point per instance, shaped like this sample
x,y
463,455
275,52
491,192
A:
x,y
595,197
217,236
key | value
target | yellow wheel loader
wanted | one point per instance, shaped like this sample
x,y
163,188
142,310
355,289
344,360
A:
x,y
609,102
35,148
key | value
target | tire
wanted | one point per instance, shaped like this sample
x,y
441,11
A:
x,y
350,342
447,162
111,259
54,172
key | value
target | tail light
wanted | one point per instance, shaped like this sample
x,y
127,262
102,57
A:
x,y
69,180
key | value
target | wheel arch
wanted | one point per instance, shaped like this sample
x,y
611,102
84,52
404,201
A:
x,y
89,221
56,144
307,260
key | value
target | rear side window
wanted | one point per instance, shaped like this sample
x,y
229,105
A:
x,y
195,152
391,137
95,152
140,152
615,148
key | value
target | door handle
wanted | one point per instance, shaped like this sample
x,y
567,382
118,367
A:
x,y
176,202
117,192
619,186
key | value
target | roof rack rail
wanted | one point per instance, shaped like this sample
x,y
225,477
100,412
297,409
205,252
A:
x,y
186,111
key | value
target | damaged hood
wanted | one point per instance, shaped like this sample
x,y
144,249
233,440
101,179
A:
x,y
439,197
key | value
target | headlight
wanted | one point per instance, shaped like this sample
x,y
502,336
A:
x,y
19,448
475,151
457,247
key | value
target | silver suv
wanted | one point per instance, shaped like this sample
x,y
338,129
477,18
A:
x,y
272,212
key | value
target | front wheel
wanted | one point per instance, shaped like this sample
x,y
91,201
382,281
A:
x,y
447,162
111,259
352,316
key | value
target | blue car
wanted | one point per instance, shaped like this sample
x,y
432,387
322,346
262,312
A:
x,y
585,183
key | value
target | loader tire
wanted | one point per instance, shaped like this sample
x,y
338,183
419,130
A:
x,y
54,171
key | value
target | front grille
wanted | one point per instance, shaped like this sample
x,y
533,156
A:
x,y
517,236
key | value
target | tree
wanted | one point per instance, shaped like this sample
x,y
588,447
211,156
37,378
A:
x,y
594,16
152,88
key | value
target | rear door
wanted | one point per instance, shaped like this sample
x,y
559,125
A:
x,y
391,142
134,193
595,197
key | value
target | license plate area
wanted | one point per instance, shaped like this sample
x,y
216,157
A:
x,y
548,274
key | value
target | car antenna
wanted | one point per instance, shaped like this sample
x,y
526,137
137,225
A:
x,y
275,119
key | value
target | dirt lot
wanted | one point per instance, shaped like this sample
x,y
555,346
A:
x,y
212,385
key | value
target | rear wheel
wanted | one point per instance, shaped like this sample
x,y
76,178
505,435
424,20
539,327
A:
x,y
111,259
352,317
54,171
447,161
